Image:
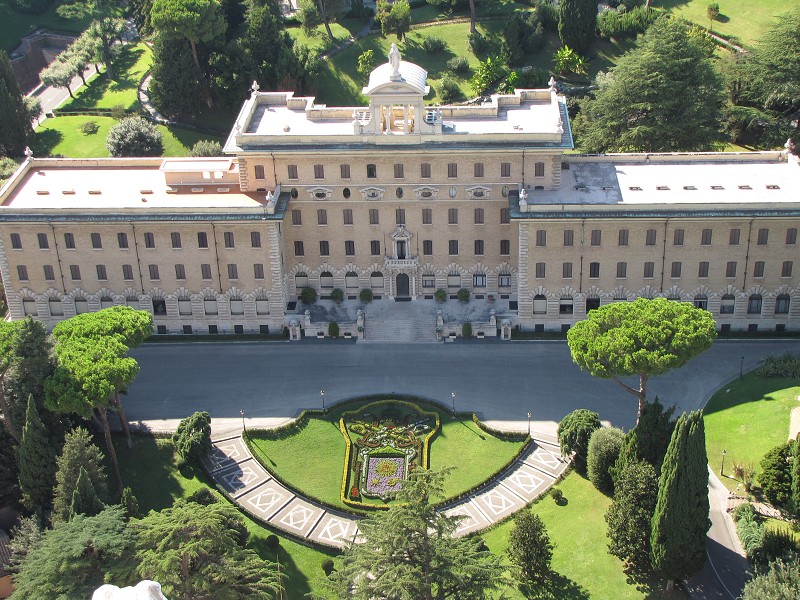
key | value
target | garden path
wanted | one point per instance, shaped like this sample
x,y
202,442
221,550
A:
x,y
252,487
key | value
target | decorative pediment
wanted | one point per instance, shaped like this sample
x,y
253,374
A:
x,y
320,193
372,193
401,234
479,192
426,192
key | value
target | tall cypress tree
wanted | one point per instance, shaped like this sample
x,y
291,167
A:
x,y
79,454
37,462
577,21
15,129
84,498
647,441
680,521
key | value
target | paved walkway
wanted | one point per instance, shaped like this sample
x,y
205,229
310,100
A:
x,y
253,488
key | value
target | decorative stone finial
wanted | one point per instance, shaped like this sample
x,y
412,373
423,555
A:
x,y
523,198
254,88
553,84
394,60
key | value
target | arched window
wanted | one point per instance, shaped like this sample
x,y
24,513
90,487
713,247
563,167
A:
x,y
539,304
565,305
262,304
326,280
376,280
592,302
132,301
754,304
210,306
81,305
351,279
184,306
106,302
237,306
301,280
782,304
56,307
454,280
29,307
159,307
701,301
726,304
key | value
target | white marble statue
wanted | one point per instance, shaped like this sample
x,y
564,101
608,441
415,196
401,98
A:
x,y
144,590
394,60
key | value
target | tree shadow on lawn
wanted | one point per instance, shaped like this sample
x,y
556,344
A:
x,y
296,584
557,587
91,95
46,140
752,388
435,63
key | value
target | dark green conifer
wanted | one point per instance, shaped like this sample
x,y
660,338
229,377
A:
x,y
37,462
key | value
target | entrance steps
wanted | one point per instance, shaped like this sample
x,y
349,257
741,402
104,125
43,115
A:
x,y
404,323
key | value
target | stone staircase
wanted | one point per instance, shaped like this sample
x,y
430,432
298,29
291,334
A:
x,y
406,322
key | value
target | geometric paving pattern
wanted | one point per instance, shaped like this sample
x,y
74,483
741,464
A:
x,y
257,492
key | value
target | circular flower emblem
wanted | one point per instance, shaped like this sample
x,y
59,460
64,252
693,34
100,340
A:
x,y
386,468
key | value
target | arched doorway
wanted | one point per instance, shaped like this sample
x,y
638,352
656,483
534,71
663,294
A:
x,y
402,286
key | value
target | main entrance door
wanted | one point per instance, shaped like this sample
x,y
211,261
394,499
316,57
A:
x,y
402,285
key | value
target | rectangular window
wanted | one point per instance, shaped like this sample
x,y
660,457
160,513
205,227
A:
x,y
427,216
623,237
202,239
49,274
101,273
75,272
650,237
452,216
538,169
322,216
758,268
702,270
763,237
505,216
298,248
205,271
372,171
622,270
478,216
22,273
676,269
479,280
233,271
373,216
228,239
705,237
69,241
453,247
97,242
175,237
344,171
786,268
349,248
677,237
596,237
319,172
425,170
452,170
733,240
540,270
375,248
258,271
427,247
16,241
791,236
505,247
297,217
594,270
504,280
122,240
347,216
153,272
180,272
259,171
429,281
541,237
569,237
730,269
505,169
44,244
649,269
400,216
292,171
255,239
149,240
398,170
478,169
478,247
127,272
566,270
324,250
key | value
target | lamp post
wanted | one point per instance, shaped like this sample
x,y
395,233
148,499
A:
x,y
322,395
453,397
529,424
241,412
741,368
722,468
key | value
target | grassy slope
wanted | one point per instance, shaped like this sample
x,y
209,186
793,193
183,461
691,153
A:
x,y
747,421
14,25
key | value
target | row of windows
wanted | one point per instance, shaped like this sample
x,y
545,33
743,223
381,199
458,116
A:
x,y
454,280
727,304
375,248
149,240
127,272
478,171
479,216
676,269
678,237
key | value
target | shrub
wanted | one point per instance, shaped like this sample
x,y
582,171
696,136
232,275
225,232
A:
x,y
434,44
574,432
90,128
478,43
533,78
203,496
604,446
130,503
625,24
134,136
365,295
548,12
458,64
206,148
333,329
777,543
786,366
529,548
308,295
273,542
557,494
751,534
337,295
193,437
780,580
776,475
744,512
449,90
7,168
440,295
327,566
466,330
463,295
118,112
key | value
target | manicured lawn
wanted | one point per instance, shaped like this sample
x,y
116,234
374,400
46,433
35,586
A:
x,y
312,460
63,136
341,30
746,419
746,20
584,568
14,25
130,67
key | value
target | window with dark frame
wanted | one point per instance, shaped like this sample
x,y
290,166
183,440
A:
x,y
180,271
478,170
398,170
541,237
452,216
505,169
259,171
622,270
16,241
319,172
349,248
255,239
566,270
705,237
347,216
758,268
322,216
344,171
478,247
153,269
427,247
205,271
233,271
373,216
175,238
505,247
650,237
258,271
400,216
202,239
298,248
452,170
569,237
49,273
649,270
44,243
540,270
97,241
538,169
372,171
730,269
375,247
596,237
228,239
453,247
297,217
675,271
324,249
677,237
127,272
122,240
22,273
292,171
149,240
623,237
505,216
702,270
478,216
733,239
594,270
786,268
791,236
425,171
763,237
427,216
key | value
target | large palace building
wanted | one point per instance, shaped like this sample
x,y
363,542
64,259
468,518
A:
x,y
403,199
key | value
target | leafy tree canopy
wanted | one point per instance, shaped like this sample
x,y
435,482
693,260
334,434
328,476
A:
x,y
79,453
574,432
577,23
129,326
529,548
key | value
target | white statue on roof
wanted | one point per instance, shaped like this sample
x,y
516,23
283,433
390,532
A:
x,y
394,60
144,590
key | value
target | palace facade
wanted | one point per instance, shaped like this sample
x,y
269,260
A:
x,y
403,199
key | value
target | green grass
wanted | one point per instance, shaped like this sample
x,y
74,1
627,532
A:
x,y
746,419
319,40
62,136
581,562
14,25
131,65
746,20
312,460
